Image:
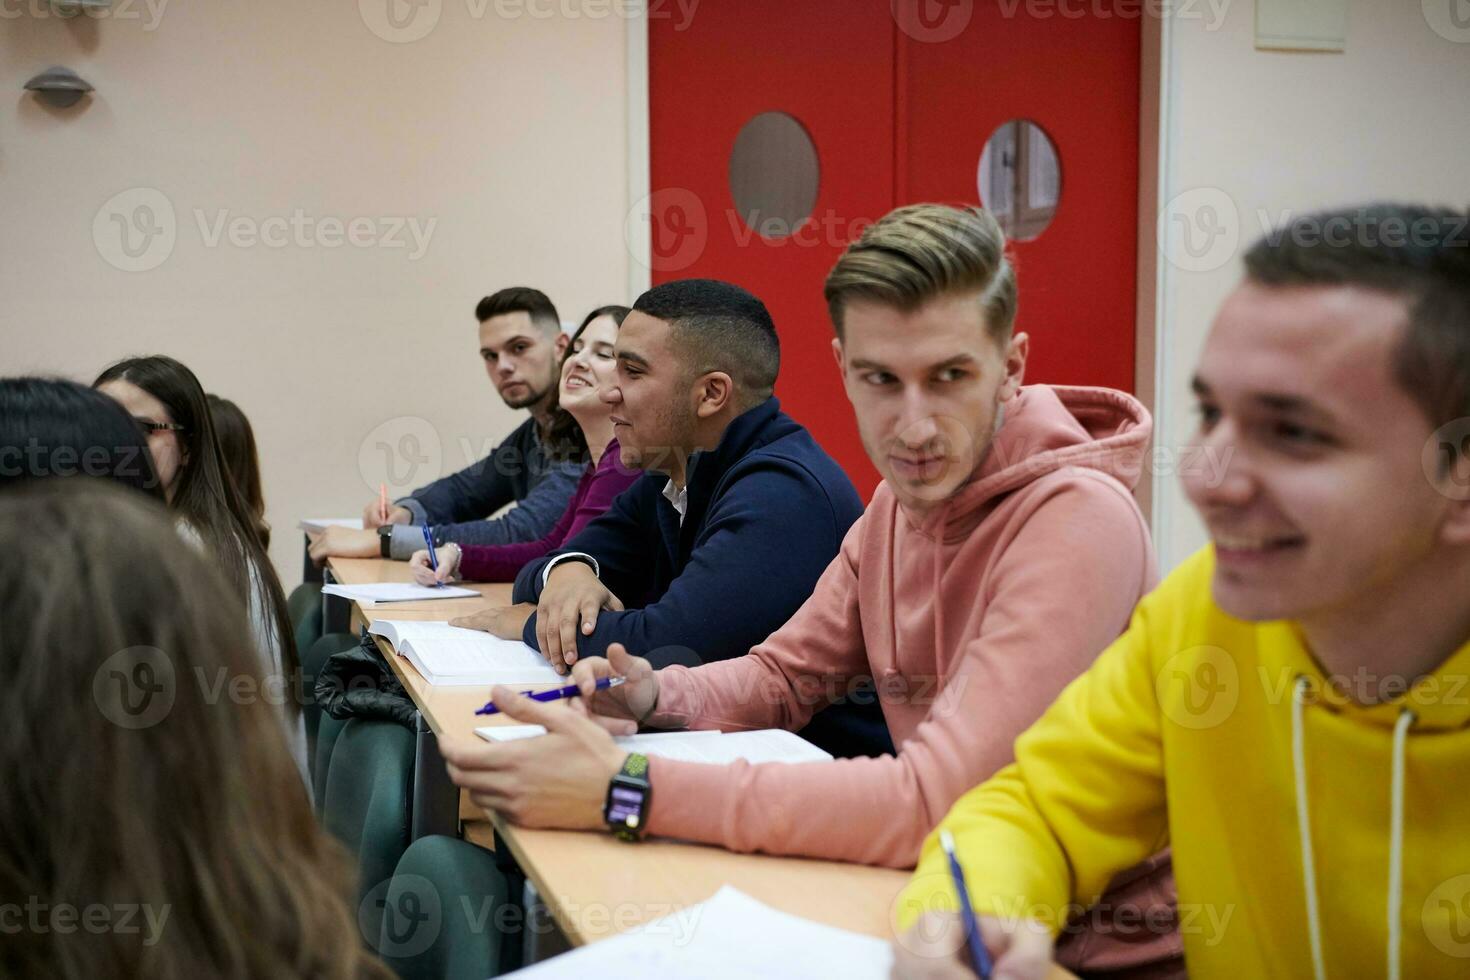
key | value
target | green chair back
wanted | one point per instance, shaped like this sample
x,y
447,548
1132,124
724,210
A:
x,y
441,914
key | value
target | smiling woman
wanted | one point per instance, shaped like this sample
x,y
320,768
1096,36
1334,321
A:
x,y
580,425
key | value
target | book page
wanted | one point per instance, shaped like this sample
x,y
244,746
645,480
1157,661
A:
x,y
717,748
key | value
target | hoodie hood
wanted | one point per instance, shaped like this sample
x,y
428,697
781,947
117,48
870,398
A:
x,y
1047,428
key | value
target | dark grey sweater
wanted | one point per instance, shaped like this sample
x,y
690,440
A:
x,y
516,471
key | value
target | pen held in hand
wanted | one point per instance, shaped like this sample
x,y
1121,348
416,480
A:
x,y
979,955
555,694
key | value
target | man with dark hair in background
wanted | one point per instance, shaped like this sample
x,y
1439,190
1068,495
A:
x,y
726,534
521,343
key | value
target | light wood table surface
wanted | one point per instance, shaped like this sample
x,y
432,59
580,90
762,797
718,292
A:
x,y
595,885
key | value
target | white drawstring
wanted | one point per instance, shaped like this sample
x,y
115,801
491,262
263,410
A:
x,y
1395,832
1396,840
1304,825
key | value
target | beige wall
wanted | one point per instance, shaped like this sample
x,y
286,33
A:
x,y
1249,130
506,133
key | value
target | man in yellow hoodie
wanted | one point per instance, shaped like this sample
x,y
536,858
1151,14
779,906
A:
x,y
1290,709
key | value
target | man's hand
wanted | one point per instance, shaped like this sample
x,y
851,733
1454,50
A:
x,y
372,515
344,542
557,780
506,622
935,948
619,709
572,598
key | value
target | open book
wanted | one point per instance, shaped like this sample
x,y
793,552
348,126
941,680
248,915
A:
x,y
457,657
721,748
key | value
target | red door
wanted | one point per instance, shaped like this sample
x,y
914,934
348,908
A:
x,y
898,105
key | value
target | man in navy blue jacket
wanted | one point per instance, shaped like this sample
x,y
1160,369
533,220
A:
x,y
738,514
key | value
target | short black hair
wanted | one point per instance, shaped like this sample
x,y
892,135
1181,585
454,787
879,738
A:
x,y
1419,253
520,299
52,427
720,327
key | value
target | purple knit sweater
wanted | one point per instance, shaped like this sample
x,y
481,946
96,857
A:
x,y
595,491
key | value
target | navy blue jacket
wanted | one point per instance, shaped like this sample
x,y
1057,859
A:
x,y
767,511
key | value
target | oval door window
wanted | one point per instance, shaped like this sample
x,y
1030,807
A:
x,y
1020,178
773,174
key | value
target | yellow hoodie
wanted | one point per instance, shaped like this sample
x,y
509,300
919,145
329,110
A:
x,y
1223,739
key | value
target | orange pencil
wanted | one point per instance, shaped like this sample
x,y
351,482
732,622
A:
x,y
383,502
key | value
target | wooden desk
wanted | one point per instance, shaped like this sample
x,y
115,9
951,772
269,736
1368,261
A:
x,y
594,885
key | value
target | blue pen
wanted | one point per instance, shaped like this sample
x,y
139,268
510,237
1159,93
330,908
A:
x,y
433,558
556,694
979,956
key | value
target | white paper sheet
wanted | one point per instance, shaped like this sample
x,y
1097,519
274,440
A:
x,y
453,657
719,748
375,593
730,936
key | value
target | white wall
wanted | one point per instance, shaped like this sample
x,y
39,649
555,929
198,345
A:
x,y
507,133
1246,130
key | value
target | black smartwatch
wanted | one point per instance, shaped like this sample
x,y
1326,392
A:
x,y
385,541
628,796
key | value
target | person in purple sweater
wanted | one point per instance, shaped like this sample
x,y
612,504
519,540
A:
x,y
582,419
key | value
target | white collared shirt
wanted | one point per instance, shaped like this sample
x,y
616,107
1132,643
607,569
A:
x,y
679,497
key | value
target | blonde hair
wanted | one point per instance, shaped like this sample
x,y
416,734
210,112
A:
x,y
918,252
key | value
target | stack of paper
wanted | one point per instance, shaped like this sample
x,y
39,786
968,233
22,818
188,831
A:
x,y
727,936
375,593
455,657
720,748
316,525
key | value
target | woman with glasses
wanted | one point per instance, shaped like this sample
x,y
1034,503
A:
x,y
165,399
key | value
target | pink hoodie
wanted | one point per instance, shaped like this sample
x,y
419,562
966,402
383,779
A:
x,y
970,623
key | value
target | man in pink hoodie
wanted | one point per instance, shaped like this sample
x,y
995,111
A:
x,y
1002,550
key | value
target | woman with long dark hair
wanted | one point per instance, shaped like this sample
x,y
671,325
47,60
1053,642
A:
x,y
242,461
581,425
166,398
136,797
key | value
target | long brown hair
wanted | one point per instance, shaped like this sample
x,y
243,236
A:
x,y
206,497
564,437
148,781
242,461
